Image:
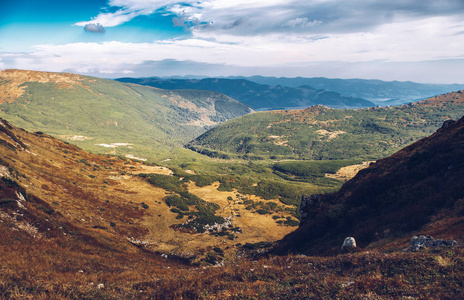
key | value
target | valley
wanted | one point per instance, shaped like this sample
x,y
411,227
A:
x,y
120,191
143,121
110,197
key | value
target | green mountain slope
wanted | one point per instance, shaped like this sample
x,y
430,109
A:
x,y
92,111
324,133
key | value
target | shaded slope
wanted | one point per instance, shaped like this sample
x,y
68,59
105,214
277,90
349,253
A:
x,y
418,189
324,133
258,96
105,111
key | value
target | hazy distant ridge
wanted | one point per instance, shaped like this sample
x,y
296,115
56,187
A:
x,y
378,91
257,95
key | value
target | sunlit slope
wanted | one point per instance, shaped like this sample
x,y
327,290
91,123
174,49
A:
x,y
92,111
324,133
121,204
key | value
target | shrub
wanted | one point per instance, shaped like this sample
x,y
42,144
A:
x,y
176,201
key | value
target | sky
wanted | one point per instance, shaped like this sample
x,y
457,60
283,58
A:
x,y
405,40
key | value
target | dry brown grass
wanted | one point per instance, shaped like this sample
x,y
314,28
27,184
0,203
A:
x,y
13,86
348,172
70,268
104,196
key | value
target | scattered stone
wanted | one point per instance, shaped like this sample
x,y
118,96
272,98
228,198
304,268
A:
x,y
420,242
344,285
5,172
349,245
100,286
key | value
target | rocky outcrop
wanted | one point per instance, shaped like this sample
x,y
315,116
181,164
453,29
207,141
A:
x,y
421,242
309,204
447,123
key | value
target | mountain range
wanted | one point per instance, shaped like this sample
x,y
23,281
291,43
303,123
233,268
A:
x,y
262,92
258,96
380,92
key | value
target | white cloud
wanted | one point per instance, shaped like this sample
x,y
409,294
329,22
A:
x,y
111,19
301,22
411,41
268,34
131,9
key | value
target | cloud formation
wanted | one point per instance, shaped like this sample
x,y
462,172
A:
x,y
270,16
301,22
356,38
95,28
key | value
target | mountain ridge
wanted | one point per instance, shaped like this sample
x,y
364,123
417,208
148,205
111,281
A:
x,y
381,92
258,96
107,112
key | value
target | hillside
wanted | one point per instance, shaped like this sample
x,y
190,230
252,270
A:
x,y
418,190
122,204
258,96
79,226
324,133
102,115
378,91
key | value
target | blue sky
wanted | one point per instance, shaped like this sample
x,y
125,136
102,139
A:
x,y
417,40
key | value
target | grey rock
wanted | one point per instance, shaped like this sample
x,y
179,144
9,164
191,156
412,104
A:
x,y
349,244
420,242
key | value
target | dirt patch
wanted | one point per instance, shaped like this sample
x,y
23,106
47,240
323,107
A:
x,y
130,156
73,138
330,135
348,172
277,140
255,227
153,170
